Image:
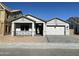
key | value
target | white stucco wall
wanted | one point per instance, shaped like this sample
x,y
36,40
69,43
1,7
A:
x,y
56,21
22,20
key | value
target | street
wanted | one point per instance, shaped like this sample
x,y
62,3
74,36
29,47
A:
x,y
39,52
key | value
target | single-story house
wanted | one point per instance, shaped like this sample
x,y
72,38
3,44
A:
x,y
31,25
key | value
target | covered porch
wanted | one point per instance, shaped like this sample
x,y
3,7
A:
x,y
22,26
27,26
22,29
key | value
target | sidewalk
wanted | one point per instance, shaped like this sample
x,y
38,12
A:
x,y
41,45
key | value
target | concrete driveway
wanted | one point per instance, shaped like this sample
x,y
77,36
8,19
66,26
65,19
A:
x,y
62,39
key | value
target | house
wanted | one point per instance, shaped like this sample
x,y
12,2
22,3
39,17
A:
x,y
6,15
74,25
31,25
13,22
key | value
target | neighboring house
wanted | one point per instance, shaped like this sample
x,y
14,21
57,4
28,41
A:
x,y
6,15
74,25
13,22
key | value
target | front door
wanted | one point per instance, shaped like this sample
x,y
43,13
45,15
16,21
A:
x,y
39,28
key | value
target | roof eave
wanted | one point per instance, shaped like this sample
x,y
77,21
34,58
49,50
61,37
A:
x,y
35,17
58,19
21,17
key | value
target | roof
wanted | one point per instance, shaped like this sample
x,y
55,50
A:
x,y
58,19
4,6
15,10
21,17
35,17
74,20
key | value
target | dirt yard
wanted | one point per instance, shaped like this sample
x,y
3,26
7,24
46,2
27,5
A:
x,y
21,39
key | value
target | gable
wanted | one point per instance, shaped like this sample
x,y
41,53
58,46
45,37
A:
x,y
56,21
34,18
22,20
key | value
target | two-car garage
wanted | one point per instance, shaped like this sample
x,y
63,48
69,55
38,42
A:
x,y
57,26
56,30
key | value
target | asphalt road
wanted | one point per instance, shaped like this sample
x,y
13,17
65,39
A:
x,y
39,52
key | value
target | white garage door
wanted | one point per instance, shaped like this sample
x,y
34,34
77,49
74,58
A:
x,y
55,30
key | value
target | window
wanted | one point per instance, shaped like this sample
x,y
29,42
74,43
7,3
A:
x,y
25,27
22,27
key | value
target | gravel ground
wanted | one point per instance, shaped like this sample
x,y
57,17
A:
x,y
39,39
22,39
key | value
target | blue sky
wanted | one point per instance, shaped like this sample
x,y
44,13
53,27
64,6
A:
x,y
47,10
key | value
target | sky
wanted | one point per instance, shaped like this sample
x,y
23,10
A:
x,y
47,10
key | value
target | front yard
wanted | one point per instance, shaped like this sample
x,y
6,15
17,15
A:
x,y
21,39
39,39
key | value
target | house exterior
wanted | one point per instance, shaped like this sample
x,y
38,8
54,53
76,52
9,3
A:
x,y
13,22
74,25
31,25
6,15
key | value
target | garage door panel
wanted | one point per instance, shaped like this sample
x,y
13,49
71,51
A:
x,y
50,31
59,31
55,31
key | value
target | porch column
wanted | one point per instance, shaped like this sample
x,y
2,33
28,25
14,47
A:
x,y
33,29
44,29
7,29
12,29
